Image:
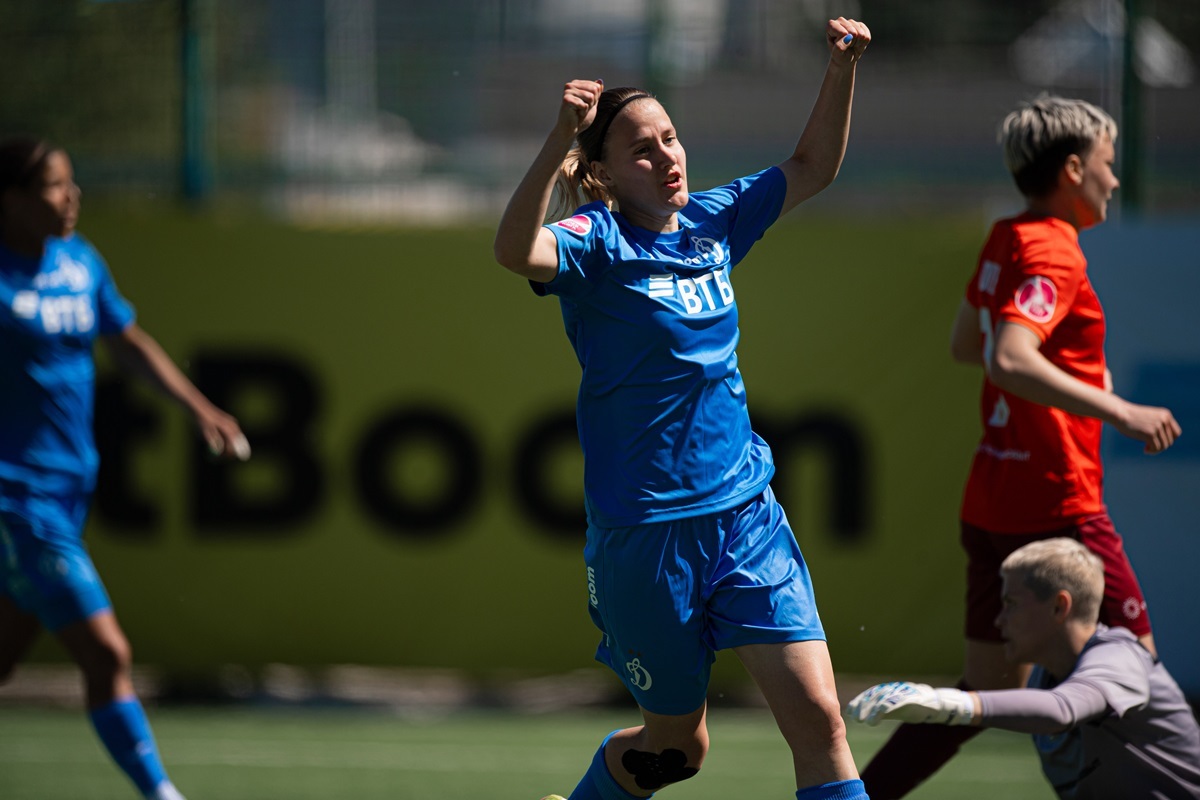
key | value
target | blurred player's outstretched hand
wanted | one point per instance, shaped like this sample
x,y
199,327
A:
x,y
912,702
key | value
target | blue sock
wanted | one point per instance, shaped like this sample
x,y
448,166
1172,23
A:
x,y
839,790
123,728
598,783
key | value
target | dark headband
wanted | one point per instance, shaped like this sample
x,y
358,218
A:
x,y
611,117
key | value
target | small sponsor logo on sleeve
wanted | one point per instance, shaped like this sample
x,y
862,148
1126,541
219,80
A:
x,y
1036,298
578,224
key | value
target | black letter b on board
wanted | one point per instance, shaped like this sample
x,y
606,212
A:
x,y
281,443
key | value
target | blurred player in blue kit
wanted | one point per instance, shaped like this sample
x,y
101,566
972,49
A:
x,y
56,299
687,550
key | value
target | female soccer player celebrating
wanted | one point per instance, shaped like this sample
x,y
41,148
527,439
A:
x,y
56,299
687,550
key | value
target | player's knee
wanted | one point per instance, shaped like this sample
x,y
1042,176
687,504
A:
x,y
821,728
109,658
652,770
12,648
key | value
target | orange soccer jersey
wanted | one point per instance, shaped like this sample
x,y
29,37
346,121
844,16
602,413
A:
x,y
1037,468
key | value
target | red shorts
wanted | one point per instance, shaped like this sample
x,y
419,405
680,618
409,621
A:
x,y
1123,605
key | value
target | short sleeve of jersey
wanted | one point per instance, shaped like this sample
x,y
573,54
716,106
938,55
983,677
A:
x,y
752,204
583,251
995,252
1039,284
113,312
738,213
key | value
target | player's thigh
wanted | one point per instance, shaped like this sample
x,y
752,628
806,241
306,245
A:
x,y
19,629
1124,603
796,679
97,644
985,553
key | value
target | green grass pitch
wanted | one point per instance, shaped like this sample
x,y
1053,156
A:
x,y
249,753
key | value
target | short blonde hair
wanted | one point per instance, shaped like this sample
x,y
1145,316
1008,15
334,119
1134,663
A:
x,y
1040,134
1052,565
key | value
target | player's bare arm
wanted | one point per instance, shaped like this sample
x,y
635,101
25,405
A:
x,y
522,245
964,336
819,152
1018,366
139,353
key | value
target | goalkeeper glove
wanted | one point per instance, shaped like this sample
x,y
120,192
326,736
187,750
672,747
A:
x,y
912,702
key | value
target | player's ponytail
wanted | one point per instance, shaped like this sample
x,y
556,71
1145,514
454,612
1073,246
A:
x,y
575,184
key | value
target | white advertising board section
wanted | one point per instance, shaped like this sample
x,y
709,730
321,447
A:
x,y
1148,277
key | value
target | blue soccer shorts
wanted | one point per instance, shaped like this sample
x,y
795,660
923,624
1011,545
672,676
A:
x,y
44,565
667,595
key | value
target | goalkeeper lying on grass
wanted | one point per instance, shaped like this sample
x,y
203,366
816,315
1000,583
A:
x,y
1106,717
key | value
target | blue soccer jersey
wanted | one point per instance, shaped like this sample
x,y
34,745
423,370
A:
x,y
653,320
51,311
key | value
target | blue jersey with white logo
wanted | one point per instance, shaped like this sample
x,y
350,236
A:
x,y
652,318
51,311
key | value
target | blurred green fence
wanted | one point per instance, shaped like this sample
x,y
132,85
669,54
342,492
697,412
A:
x,y
396,110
